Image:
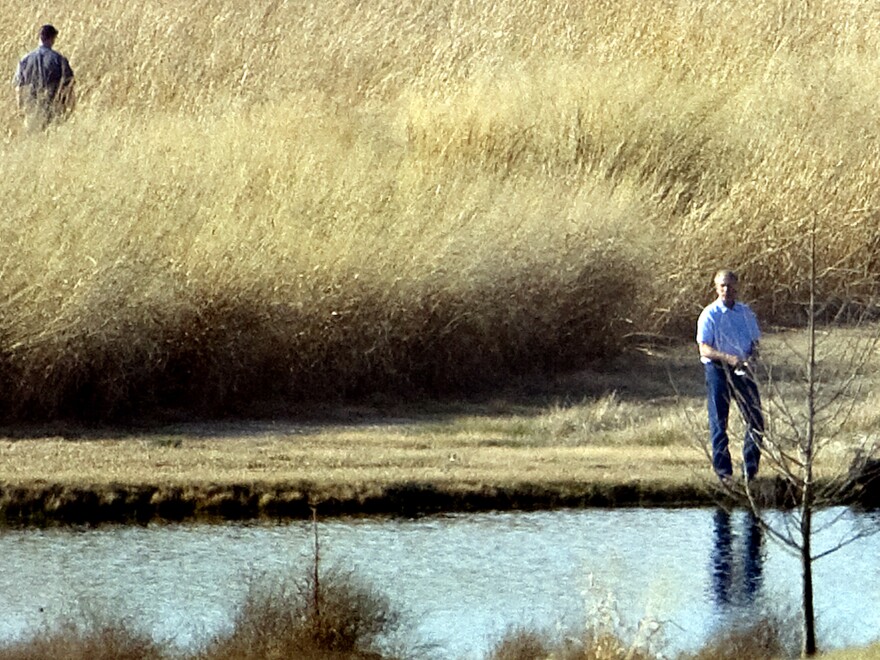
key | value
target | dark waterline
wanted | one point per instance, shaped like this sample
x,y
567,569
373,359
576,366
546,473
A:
x,y
460,580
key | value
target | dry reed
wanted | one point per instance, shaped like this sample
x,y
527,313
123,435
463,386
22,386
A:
x,y
293,202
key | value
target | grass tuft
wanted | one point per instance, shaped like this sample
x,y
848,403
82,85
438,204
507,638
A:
x,y
89,640
765,638
338,617
521,644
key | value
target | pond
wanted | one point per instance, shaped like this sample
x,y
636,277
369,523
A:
x,y
460,580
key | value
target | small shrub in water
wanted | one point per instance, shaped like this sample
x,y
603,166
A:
x,y
521,644
336,618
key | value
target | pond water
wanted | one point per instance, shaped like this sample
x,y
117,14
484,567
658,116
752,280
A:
x,y
460,580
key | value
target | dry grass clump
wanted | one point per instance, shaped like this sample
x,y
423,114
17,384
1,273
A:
x,y
326,201
762,639
337,618
605,637
75,640
334,617
521,644
530,645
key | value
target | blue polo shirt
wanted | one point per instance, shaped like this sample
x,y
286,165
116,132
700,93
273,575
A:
x,y
731,330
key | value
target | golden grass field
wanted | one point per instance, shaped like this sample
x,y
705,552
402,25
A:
x,y
287,202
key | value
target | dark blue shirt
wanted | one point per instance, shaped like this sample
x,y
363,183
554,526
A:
x,y
46,71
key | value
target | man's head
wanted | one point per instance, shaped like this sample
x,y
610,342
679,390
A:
x,y
48,34
725,287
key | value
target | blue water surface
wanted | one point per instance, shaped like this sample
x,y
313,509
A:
x,y
461,581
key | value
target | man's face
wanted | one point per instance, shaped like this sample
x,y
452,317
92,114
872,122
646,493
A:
x,y
725,287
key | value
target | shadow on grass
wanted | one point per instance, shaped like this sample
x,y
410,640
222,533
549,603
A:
x,y
638,375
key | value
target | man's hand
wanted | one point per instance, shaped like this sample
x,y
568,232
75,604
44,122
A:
x,y
734,361
711,353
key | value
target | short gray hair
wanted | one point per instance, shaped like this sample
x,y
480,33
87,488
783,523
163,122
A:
x,y
721,274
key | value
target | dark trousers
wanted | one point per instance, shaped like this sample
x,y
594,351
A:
x,y
722,384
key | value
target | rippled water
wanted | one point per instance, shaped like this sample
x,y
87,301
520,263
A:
x,y
461,580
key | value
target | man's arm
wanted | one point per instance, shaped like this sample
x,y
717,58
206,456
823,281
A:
x,y
18,83
67,96
21,97
711,353
67,87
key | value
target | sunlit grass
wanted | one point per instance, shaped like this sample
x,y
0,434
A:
x,y
866,653
316,203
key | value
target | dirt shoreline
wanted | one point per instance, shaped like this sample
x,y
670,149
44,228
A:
x,y
60,504
41,504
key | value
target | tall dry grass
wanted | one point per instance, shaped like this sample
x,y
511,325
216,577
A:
x,y
310,201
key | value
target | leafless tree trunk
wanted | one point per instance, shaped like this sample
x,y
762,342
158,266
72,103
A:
x,y
808,647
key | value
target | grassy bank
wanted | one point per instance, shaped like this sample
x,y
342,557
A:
x,y
632,433
280,202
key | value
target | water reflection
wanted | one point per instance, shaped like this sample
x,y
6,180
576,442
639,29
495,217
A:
x,y
461,581
737,567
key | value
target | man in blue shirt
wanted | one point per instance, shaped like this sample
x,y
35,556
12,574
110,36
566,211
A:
x,y
728,334
45,82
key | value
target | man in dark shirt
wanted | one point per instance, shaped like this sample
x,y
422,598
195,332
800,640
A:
x,y
45,83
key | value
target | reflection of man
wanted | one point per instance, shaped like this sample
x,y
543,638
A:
x,y
45,82
728,334
724,566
